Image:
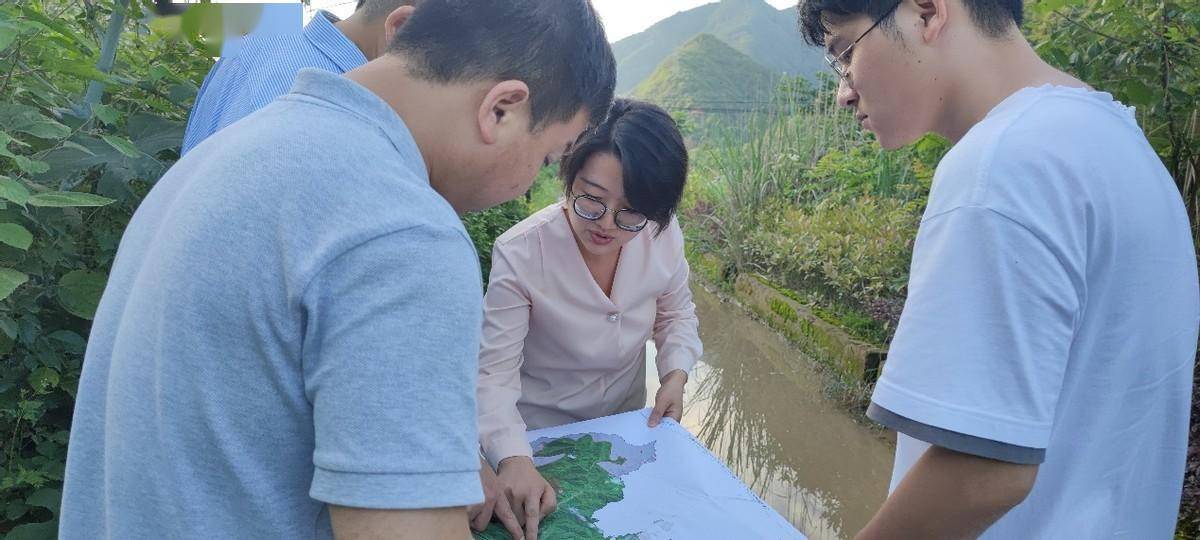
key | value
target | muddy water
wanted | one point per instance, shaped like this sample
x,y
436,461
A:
x,y
757,404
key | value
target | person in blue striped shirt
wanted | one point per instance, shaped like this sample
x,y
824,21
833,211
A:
x,y
265,67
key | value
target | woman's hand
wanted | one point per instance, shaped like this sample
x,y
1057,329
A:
x,y
529,495
494,502
669,400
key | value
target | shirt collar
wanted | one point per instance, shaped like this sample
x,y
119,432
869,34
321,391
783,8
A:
x,y
356,99
332,42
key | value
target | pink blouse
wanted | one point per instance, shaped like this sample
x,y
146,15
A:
x,y
556,349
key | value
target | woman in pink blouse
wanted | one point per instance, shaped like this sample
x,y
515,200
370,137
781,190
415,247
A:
x,y
576,291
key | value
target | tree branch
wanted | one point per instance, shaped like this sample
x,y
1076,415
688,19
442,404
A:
x,y
108,55
1084,26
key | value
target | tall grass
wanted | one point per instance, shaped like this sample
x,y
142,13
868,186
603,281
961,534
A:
x,y
801,150
800,194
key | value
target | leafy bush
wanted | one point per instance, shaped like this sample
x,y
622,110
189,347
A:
x,y
485,226
73,166
545,190
849,252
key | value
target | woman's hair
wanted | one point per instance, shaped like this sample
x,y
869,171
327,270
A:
x,y
654,160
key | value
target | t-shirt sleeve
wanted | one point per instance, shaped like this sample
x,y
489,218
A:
x,y
984,338
390,358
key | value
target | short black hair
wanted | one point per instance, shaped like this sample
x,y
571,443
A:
x,y
374,9
556,47
994,17
654,159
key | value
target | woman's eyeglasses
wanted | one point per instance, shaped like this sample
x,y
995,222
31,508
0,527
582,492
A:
x,y
592,209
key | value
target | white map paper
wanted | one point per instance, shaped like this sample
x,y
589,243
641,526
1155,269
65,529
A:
x,y
618,479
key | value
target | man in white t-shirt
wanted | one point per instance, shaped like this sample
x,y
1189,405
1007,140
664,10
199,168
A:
x,y
1040,377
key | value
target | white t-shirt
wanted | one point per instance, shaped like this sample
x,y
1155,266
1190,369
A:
x,y
1052,317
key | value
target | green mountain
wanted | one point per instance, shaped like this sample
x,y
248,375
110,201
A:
x,y
707,74
768,36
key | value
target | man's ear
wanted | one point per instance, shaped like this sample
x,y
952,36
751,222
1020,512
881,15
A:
x,y
935,16
394,21
505,106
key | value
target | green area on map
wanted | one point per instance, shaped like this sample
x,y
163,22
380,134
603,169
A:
x,y
583,487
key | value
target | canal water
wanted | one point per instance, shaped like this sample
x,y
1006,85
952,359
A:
x,y
758,404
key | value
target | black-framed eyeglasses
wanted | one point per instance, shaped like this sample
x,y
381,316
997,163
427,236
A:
x,y
592,209
835,62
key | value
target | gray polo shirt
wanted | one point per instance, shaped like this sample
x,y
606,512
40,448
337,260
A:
x,y
292,320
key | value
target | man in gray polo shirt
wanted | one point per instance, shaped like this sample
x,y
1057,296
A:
x,y
287,346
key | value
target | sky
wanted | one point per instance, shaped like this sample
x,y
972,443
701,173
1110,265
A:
x,y
622,18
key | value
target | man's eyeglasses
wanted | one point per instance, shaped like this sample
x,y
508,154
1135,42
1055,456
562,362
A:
x,y
592,209
841,62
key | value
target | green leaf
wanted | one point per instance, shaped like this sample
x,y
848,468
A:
x,y
15,510
48,358
79,292
72,341
1138,93
157,72
7,36
45,128
65,199
8,327
182,93
76,146
76,67
106,113
1046,6
43,379
114,183
5,139
31,166
153,133
34,531
47,498
122,145
15,236
12,190
9,281
30,410
78,41
6,346
85,153
30,329
21,118
24,163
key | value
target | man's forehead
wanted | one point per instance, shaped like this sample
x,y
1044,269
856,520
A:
x,y
837,26
834,41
